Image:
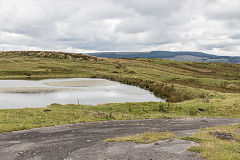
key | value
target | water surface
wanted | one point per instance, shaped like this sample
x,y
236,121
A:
x,y
87,91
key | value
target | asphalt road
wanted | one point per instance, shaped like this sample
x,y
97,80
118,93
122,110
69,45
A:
x,y
85,140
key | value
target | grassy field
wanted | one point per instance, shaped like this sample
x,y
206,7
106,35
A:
x,y
19,119
213,148
191,90
176,81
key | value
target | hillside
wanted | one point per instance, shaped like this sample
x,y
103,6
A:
x,y
178,56
191,89
176,81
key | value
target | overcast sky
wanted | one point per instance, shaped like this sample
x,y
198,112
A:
x,y
212,26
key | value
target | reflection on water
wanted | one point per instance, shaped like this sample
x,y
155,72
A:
x,y
26,93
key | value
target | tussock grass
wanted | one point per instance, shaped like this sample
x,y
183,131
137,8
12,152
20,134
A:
x,y
18,119
189,85
213,148
176,81
148,137
197,90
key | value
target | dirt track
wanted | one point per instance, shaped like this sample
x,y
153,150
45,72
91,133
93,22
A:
x,y
85,140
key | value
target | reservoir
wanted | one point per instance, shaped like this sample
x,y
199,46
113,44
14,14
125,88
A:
x,y
86,91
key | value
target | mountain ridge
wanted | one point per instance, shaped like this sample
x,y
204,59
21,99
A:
x,y
178,56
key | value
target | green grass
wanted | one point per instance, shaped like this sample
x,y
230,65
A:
x,y
197,90
148,137
214,87
213,148
185,75
18,119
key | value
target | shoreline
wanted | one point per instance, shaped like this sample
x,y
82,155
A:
x,y
32,90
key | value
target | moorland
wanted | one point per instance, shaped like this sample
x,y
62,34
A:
x,y
191,89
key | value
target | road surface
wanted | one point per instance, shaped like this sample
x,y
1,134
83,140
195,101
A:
x,y
86,140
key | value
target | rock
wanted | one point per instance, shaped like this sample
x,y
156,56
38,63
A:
x,y
92,112
47,110
222,135
201,109
101,114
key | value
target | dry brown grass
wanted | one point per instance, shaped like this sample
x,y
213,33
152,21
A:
x,y
148,137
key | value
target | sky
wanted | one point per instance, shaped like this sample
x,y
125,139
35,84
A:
x,y
211,26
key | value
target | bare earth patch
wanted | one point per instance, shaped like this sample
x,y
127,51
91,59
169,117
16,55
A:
x,y
81,83
148,137
31,90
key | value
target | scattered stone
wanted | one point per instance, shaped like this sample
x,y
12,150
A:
x,y
222,135
92,112
47,110
20,153
201,109
101,114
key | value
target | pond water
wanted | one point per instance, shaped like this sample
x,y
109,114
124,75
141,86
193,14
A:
x,y
87,91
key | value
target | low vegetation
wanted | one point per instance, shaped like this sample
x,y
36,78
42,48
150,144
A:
x,y
191,89
148,137
18,119
213,147
175,81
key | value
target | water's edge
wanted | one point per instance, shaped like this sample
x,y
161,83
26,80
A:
x,y
86,91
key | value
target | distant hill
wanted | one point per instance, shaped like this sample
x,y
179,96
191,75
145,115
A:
x,y
178,56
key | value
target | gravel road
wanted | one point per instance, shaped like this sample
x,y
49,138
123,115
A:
x,y
85,140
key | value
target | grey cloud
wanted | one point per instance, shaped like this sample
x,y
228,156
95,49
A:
x,y
235,36
224,9
120,25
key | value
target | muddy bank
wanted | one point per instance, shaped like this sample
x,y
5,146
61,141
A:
x,y
31,90
81,83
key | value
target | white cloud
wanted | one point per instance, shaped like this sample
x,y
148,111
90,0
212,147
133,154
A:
x,y
126,25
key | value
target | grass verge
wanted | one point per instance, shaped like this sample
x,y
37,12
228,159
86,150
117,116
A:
x,y
148,137
19,119
213,148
